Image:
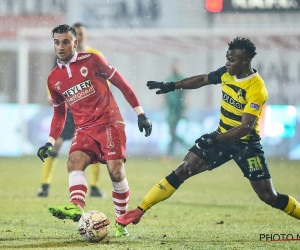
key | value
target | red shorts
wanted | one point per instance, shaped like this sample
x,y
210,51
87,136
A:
x,y
101,143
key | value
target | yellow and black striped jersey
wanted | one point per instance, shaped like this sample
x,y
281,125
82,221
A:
x,y
246,95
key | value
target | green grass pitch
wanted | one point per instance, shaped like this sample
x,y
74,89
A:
x,y
213,210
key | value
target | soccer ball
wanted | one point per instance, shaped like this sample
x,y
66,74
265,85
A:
x,y
93,226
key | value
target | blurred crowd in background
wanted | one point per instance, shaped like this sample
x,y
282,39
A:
x,y
142,38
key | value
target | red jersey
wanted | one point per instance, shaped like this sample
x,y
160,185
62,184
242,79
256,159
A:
x,y
82,85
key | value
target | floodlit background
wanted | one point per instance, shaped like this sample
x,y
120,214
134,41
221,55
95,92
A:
x,y
141,38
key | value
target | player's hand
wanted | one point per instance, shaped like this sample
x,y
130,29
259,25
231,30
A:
x,y
164,87
144,123
207,140
44,151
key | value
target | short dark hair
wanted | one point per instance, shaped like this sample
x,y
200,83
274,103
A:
x,y
78,25
64,28
243,43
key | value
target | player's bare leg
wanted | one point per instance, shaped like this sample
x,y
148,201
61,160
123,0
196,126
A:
x,y
267,193
190,166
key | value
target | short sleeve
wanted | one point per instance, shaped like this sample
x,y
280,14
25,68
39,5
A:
x,y
214,77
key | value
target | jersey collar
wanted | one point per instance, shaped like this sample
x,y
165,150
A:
x,y
73,59
248,77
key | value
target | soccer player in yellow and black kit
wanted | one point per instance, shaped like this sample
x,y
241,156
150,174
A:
x,y
236,138
67,134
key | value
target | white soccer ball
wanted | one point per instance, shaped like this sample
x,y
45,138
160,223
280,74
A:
x,y
93,226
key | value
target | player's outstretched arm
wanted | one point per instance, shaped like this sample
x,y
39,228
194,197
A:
x,y
164,87
193,82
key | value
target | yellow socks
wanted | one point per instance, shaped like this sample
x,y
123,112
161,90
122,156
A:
x,y
293,208
161,191
95,172
48,169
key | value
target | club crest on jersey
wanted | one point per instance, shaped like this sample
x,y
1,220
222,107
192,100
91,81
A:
x,y
57,85
239,94
254,106
84,71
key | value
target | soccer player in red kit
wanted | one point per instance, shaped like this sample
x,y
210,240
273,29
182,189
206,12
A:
x,y
79,79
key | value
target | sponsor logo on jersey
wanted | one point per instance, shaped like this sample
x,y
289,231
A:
x,y
79,92
83,57
254,106
84,71
232,102
111,153
57,85
110,66
109,142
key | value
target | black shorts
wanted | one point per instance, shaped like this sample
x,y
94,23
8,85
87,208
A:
x,y
68,131
250,158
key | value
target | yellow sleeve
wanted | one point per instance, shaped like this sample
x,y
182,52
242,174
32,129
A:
x,y
256,98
